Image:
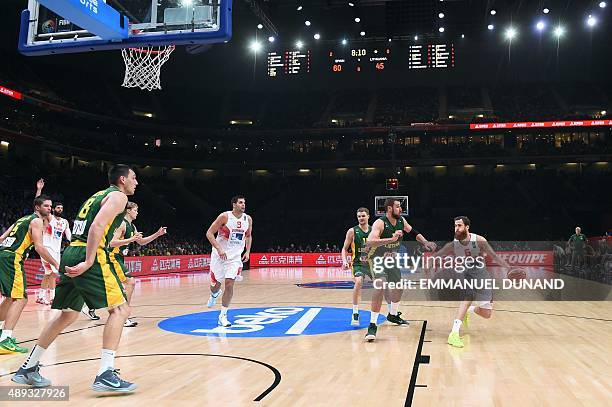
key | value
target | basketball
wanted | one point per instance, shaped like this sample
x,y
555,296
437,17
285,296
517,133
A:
x,y
516,273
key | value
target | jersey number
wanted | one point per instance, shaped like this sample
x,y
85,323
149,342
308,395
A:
x,y
85,208
239,224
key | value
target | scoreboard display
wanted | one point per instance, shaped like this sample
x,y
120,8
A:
x,y
361,60
431,56
289,62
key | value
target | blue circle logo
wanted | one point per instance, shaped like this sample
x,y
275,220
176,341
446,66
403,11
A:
x,y
269,322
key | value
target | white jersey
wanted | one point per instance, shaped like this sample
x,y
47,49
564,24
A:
x,y
232,236
54,232
470,250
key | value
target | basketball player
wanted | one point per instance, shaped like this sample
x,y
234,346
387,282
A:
x,y
53,234
15,245
386,235
356,238
234,233
124,235
471,245
87,276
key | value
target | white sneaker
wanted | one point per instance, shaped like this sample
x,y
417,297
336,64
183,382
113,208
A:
x,y
129,323
223,321
213,300
239,278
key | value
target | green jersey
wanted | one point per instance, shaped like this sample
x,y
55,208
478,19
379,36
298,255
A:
x,y
130,229
388,232
19,240
86,215
360,257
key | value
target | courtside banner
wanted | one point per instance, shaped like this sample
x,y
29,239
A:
x,y
296,260
138,266
516,258
527,125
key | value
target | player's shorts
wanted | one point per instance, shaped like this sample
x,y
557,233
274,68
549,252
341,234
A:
x,y
99,287
12,275
360,270
222,269
481,296
118,263
47,266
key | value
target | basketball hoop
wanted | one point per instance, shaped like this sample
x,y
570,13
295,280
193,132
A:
x,y
143,66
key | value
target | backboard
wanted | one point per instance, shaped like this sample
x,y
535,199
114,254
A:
x,y
379,204
69,26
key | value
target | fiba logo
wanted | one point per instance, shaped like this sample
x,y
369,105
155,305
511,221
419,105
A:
x,y
48,27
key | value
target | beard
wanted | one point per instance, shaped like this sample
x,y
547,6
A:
x,y
57,213
396,215
461,235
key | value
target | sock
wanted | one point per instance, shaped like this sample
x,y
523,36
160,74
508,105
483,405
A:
x,y
107,361
355,309
223,310
471,308
457,325
34,357
215,295
394,308
6,333
374,317
52,294
388,307
1,324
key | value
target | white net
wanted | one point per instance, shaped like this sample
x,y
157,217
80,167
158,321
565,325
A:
x,y
143,66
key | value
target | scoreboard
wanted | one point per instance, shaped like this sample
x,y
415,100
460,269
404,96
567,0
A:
x,y
431,56
289,62
373,60
359,60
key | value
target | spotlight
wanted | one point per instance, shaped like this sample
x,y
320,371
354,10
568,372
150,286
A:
x,y
255,46
389,39
299,8
559,31
546,11
357,19
602,4
362,33
344,41
259,26
307,22
271,39
591,21
540,25
441,15
510,33
462,35
490,27
493,12
351,4
299,44
416,37
441,29
317,36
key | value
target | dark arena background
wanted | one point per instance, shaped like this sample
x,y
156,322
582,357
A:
x,y
268,129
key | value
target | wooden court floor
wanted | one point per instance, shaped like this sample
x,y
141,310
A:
x,y
528,354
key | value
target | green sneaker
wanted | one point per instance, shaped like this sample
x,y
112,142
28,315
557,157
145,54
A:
x,y
371,335
455,340
466,320
9,345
